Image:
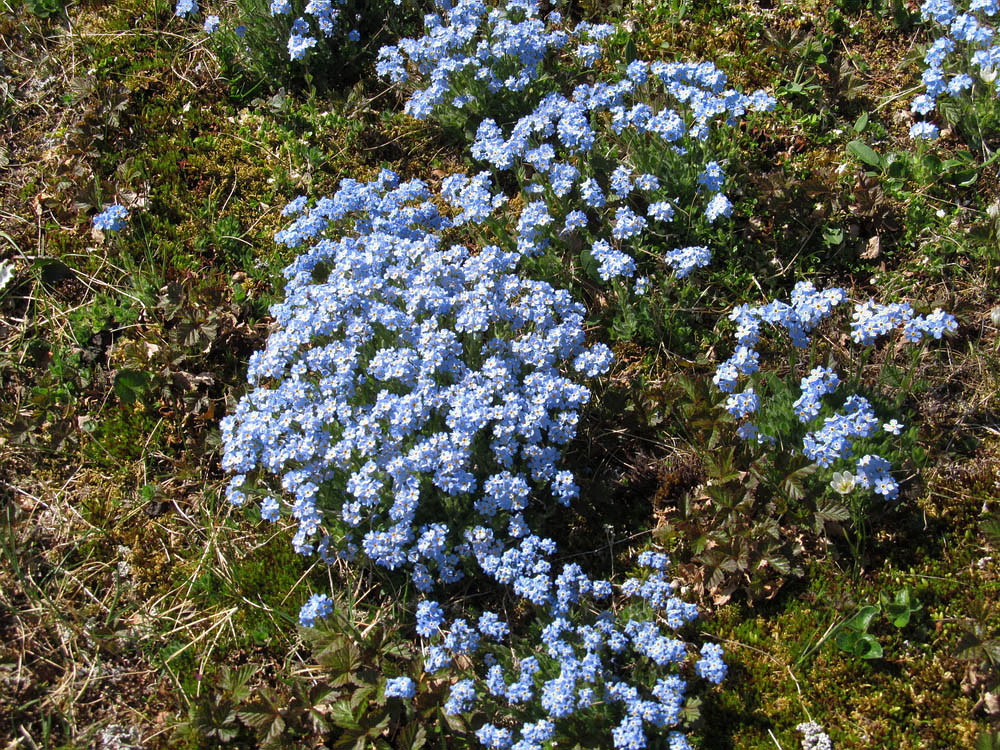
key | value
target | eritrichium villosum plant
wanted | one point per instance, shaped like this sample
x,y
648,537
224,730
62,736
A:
x,y
623,165
829,435
410,411
962,62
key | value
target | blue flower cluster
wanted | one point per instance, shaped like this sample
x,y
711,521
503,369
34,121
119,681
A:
x,y
659,115
400,687
111,219
186,8
318,607
394,359
872,320
653,122
470,50
963,59
833,441
585,648
412,403
320,20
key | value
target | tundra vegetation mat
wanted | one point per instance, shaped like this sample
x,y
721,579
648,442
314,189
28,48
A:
x,y
576,342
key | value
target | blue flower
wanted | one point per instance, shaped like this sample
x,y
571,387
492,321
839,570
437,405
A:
x,y
298,45
718,206
112,219
400,687
430,617
461,697
711,666
627,223
318,607
495,738
684,260
712,177
924,131
186,8
741,405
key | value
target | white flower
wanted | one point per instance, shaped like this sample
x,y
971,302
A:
x,y
6,273
893,427
842,482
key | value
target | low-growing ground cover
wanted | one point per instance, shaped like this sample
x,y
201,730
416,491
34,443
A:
x,y
140,608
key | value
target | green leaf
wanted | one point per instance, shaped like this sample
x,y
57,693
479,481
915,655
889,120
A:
x,y
412,737
130,385
260,713
966,177
898,610
829,510
780,564
991,529
992,650
861,123
865,153
862,645
342,715
862,619
630,52
970,646
867,647
898,615
792,484
833,235
950,110
235,681
361,695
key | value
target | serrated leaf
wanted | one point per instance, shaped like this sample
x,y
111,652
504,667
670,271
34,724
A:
x,y
130,385
950,110
259,713
865,153
970,646
831,510
321,693
397,649
235,681
361,696
715,579
378,729
351,739
699,544
992,650
780,564
413,736
991,529
274,733
342,715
